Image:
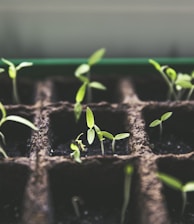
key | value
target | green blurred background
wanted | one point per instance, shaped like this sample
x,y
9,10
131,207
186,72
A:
x,y
75,28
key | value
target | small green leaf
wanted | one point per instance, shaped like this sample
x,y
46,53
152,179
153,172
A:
x,y
97,85
99,133
166,116
188,186
170,181
192,74
82,69
7,62
171,73
3,111
184,84
81,93
24,64
3,138
77,110
155,64
3,152
22,121
2,70
89,118
74,147
128,169
90,136
96,56
155,123
121,136
107,135
76,154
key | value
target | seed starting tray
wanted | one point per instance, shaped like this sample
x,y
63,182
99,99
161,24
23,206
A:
x,y
39,178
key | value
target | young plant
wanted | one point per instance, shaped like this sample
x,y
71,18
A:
x,y
159,122
176,184
115,138
93,129
83,74
76,202
14,118
13,72
127,189
77,146
177,83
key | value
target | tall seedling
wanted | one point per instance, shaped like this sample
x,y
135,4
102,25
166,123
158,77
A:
x,y
176,184
13,72
127,189
15,118
84,75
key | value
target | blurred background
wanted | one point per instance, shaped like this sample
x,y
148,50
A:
x,y
76,28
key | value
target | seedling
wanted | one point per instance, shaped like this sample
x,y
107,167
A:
x,y
176,184
15,118
159,122
77,146
115,138
177,82
93,129
127,189
76,202
13,72
83,74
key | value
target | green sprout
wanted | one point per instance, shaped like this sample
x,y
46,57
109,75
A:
x,y
93,129
159,122
13,72
179,186
76,202
15,118
127,189
177,83
115,138
77,146
83,74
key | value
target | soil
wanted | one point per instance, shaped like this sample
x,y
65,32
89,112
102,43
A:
x,y
121,148
171,145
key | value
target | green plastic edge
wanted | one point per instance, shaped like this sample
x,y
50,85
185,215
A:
x,y
106,61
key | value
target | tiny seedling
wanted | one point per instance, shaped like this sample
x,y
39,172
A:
x,y
115,138
13,72
128,171
176,184
159,122
93,129
77,146
76,202
177,83
87,84
14,118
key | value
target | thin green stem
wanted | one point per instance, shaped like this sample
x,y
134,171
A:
x,y
127,189
16,99
160,131
170,85
102,147
184,197
190,93
113,145
89,90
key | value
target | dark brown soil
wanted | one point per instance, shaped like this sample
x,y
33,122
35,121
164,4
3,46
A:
x,y
171,145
